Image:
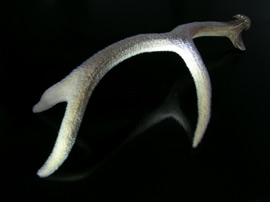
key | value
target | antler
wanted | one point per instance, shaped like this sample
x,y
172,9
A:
x,y
78,86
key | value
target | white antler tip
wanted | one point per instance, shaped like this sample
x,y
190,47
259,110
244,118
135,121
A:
x,y
41,173
195,143
38,108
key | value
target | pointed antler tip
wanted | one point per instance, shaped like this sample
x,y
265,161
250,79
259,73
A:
x,y
240,23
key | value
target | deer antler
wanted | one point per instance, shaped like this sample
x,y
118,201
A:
x,y
78,86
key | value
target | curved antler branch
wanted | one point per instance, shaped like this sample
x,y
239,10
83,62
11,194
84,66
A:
x,y
78,86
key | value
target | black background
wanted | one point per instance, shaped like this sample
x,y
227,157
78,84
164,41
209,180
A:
x,y
42,41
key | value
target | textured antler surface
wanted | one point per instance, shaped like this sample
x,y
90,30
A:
x,y
78,86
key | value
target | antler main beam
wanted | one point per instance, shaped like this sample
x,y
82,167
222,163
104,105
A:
x,y
77,87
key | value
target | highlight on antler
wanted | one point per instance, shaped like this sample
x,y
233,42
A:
x,y
77,87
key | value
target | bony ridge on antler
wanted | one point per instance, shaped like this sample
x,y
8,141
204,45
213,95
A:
x,y
77,87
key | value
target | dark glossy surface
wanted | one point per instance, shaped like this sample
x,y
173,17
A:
x,y
42,41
